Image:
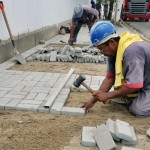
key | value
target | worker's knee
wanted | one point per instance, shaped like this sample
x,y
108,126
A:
x,y
138,111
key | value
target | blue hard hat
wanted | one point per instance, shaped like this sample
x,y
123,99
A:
x,y
101,32
78,10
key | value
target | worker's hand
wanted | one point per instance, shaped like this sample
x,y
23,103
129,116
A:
x,y
101,96
89,104
70,42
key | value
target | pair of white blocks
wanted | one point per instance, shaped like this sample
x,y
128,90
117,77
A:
x,y
105,134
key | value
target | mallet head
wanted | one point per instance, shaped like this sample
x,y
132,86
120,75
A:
x,y
79,80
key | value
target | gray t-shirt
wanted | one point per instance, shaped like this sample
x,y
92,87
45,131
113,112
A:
x,y
136,65
87,16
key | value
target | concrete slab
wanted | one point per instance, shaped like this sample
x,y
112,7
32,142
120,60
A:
x,y
88,137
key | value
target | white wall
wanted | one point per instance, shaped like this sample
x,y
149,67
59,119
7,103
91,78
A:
x,y
29,15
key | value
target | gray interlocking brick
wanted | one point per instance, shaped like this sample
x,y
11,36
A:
x,y
3,102
39,84
88,137
47,57
42,109
65,49
53,56
103,138
134,139
148,132
31,96
18,88
56,108
129,148
31,102
18,93
123,130
12,104
61,99
40,90
27,107
14,96
30,77
28,83
111,126
5,89
65,91
3,93
40,97
27,88
62,96
73,111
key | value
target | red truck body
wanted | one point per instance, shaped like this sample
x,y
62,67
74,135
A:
x,y
136,9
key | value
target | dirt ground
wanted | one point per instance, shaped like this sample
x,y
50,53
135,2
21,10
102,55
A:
x,y
21,130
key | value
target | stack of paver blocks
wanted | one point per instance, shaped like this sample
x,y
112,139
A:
x,y
69,54
105,135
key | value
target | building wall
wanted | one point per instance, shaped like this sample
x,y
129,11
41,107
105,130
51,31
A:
x,y
25,16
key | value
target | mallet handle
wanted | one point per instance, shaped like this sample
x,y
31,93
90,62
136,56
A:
x,y
87,87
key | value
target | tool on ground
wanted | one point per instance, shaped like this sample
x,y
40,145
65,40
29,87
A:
x,y
62,41
15,53
79,81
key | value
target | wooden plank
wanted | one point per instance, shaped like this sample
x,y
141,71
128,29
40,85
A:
x,y
52,98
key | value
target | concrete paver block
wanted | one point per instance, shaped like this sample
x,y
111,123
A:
x,y
56,108
29,59
66,48
54,95
33,102
12,104
27,107
73,111
148,132
88,137
111,126
3,102
42,109
123,130
129,148
65,91
53,56
47,57
134,139
103,138
40,97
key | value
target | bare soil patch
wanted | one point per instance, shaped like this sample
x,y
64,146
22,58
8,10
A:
x,y
36,131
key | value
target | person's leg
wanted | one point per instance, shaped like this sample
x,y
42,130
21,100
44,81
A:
x,y
76,31
140,106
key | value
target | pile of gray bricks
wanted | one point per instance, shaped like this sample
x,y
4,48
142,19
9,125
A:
x,y
105,135
68,54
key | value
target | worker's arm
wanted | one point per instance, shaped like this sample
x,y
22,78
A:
x,y
123,91
105,87
92,16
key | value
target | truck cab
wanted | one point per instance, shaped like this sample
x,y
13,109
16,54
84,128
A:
x,y
135,9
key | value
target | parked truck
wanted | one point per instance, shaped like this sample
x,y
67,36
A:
x,y
136,9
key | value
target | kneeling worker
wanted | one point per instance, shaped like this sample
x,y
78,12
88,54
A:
x,y
128,67
82,15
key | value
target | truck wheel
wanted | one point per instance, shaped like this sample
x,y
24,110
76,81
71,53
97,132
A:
x,y
146,20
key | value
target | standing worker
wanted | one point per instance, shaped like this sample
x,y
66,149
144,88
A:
x,y
93,4
105,10
128,68
98,7
82,15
